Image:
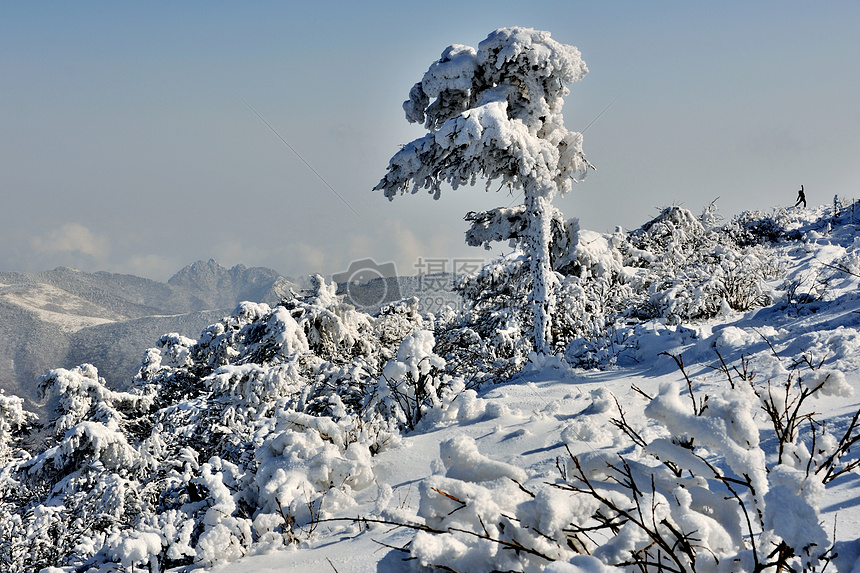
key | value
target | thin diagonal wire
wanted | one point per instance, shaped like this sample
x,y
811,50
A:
x,y
601,113
291,148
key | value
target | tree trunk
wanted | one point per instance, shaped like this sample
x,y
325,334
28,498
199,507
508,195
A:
x,y
538,213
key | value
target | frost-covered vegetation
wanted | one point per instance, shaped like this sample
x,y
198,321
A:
x,y
725,426
249,438
495,113
677,268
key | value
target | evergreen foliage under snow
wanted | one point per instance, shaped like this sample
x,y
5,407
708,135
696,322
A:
x,y
275,420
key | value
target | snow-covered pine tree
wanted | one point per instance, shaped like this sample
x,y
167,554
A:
x,y
496,312
15,423
496,114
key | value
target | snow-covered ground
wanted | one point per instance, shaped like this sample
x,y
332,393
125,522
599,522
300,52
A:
x,y
313,437
68,312
550,411
544,406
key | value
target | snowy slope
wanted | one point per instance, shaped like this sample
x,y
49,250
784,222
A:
x,y
288,438
52,305
65,317
545,406
549,411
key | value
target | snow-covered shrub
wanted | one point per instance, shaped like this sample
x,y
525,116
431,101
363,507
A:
x,y
836,270
260,427
84,482
82,395
308,467
394,323
491,336
690,272
730,282
674,269
703,496
757,228
469,514
789,412
592,298
672,233
342,386
412,382
15,423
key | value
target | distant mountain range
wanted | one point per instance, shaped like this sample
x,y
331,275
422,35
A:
x,y
63,318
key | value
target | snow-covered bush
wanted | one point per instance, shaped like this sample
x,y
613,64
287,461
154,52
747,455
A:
x,y
693,273
84,481
695,492
82,395
492,335
593,298
15,423
704,495
673,269
469,515
412,382
261,427
757,228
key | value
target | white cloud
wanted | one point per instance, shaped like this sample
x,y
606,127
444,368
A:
x,y
152,266
73,238
312,257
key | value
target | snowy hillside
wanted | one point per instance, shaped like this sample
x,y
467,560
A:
x,y
65,317
527,429
698,414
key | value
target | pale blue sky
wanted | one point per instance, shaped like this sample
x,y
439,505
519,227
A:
x,y
125,147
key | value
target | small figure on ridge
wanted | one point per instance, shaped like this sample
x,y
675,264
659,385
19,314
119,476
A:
x,y
801,198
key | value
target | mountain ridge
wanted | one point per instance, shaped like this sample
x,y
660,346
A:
x,y
64,317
